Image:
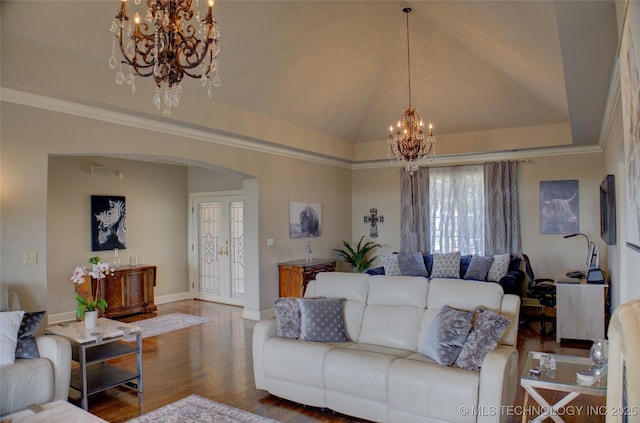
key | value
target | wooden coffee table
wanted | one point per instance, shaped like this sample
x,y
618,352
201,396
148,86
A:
x,y
53,412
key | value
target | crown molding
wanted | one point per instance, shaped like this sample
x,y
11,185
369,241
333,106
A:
x,y
38,101
477,158
613,100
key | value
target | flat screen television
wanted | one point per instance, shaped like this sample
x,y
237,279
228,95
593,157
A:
x,y
608,210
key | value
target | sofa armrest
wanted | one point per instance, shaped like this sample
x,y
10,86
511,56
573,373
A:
x,y
512,282
57,349
510,307
262,332
498,384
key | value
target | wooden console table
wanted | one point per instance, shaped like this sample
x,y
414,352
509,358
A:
x,y
295,275
128,290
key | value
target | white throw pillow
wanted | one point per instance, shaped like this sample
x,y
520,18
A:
x,y
499,267
9,326
391,265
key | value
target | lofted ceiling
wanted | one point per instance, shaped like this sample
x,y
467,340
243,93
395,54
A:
x,y
339,68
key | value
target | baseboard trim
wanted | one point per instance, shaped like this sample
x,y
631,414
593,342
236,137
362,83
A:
x,y
170,298
67,316
258,315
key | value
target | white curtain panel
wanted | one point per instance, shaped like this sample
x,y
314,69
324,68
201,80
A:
x,y
457,209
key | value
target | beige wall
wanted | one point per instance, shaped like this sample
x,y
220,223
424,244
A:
x,y
31,135
207,180
552,254
377,188
156,201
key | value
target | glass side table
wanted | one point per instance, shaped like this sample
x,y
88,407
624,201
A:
x,y
564,379
92,348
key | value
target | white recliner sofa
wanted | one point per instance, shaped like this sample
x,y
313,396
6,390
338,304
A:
x,y
379,375
623,375
37,380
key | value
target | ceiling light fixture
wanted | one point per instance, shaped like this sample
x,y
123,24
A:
x,y
166,47
407,141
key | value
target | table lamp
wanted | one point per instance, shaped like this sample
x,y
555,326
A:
x,y
594,273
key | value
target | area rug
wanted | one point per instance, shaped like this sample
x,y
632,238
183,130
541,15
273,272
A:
x,y
195,409
167,323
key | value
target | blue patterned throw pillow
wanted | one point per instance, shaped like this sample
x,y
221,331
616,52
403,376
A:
x,y
322,319
412,264
446,265
26,347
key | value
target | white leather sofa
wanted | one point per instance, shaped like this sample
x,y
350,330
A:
x,y
379,375
38,380
623,377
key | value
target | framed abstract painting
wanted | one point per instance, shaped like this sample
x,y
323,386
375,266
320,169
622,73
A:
x,y
108,222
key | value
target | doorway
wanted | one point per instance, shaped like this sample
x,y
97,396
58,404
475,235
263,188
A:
x,y
217,247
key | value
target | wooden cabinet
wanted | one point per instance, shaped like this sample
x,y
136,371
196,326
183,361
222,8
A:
x,y
580,310
129,290
295,275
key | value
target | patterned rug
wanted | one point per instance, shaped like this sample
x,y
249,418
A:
x,y
195,409
167,323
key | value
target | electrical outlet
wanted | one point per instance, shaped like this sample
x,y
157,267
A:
x,y
30,257
270,242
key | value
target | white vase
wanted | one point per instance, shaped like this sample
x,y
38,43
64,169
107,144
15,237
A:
x,y
90,318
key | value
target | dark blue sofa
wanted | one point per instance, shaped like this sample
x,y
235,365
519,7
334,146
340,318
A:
x,y
511,282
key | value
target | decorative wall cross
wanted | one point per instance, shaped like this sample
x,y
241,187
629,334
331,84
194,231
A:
x,y
373,218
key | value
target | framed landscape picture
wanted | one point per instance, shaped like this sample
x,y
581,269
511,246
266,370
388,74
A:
x,y
559,213
630,96
108,222
304,220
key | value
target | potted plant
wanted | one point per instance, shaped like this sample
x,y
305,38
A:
x,y
358,257
90,305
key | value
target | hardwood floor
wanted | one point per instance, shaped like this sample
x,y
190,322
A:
x,y
213,360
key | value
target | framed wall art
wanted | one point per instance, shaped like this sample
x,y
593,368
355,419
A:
x,y
630,95
559,213
608,210
108,222
305,220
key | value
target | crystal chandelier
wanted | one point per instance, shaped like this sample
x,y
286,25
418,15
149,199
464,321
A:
x,y
407,141
166,47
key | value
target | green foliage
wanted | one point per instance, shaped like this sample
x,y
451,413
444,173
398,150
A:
x,y
91,305
358,256
95,260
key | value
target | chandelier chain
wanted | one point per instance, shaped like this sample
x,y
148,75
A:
x,y
408,58
408,143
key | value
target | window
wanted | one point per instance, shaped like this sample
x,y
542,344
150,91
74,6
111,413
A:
x,y
456,209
